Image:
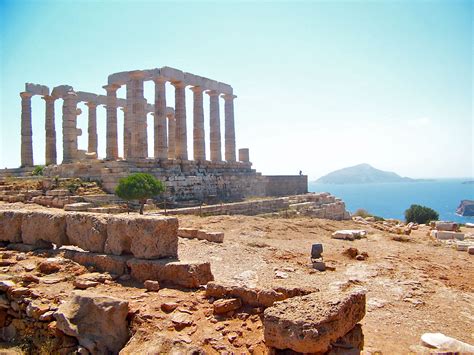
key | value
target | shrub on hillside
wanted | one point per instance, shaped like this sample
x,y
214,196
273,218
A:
x,y
38,170
420,214
139,187
362,213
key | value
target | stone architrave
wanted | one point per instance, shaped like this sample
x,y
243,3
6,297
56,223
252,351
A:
x,y
26,130
199,145
92,127
229,134
50,130
160,127
215,126
70,130
181,150
111,122
171,136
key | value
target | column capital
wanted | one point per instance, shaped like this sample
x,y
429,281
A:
x,y
212,93
196,89
111,87
159,79
49,98
170,116
178,84
228,96
26,95
91,104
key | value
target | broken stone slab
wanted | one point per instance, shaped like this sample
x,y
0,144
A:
x,y
43,226
10,226
179,273
447,235
190,233
146,237
446,226
87,231
349,234
444,343
216,237
98,322
78,206
309,324
226,305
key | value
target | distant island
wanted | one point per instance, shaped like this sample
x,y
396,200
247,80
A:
x,y
362,174
466,208
469,182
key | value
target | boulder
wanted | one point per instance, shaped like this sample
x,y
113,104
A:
x,y
309,324
179,273
44,226
98,322
10,226
146,237
87,231
226,305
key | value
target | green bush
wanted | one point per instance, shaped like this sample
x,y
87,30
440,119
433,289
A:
x,y
38,170
420,214
139,187
362,213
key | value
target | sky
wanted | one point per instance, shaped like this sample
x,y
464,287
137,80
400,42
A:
x,y
320,85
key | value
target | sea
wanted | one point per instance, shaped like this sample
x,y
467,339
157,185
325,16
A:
x,y
390,200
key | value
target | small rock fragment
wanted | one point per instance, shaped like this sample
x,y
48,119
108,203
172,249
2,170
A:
x,y
226,305
153,286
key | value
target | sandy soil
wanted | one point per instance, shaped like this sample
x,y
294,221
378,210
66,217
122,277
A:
x,y
412,287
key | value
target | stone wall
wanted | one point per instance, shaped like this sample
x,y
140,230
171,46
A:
x,y
285,185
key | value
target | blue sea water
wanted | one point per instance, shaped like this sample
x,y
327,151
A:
x,y
390,200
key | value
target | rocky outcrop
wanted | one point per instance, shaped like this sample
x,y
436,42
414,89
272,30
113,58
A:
x,y
98,322
466,208
145,237
87,231
309,324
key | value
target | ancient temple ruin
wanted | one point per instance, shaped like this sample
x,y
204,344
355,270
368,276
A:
x,y
200,176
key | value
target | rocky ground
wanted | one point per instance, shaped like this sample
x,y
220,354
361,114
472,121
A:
x,y
414,284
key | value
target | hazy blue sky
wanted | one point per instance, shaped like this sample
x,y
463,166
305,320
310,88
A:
x,y
320,85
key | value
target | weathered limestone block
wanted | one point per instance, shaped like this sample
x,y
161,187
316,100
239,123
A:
x,y
78,206
44,226
190,233
349,234
10,226
446,235
87,231
98,322
216,237
145,237
446,226
112,264
309,324
186,274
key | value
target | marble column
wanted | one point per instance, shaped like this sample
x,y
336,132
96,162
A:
x,y
215,126
181,151
126,133
50,130
199,146
111,150
136,113
70,130
171,136
26,130
92,127
229,134
160,129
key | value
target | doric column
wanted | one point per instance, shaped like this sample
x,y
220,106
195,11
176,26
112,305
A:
x,y
229,134
137,116
50,130
199,146
215,126
126,133
70,130
171,136
181,151
26,130
111,122
92,127
160,130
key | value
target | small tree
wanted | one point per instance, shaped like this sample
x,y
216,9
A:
x,y
139,187
420,214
